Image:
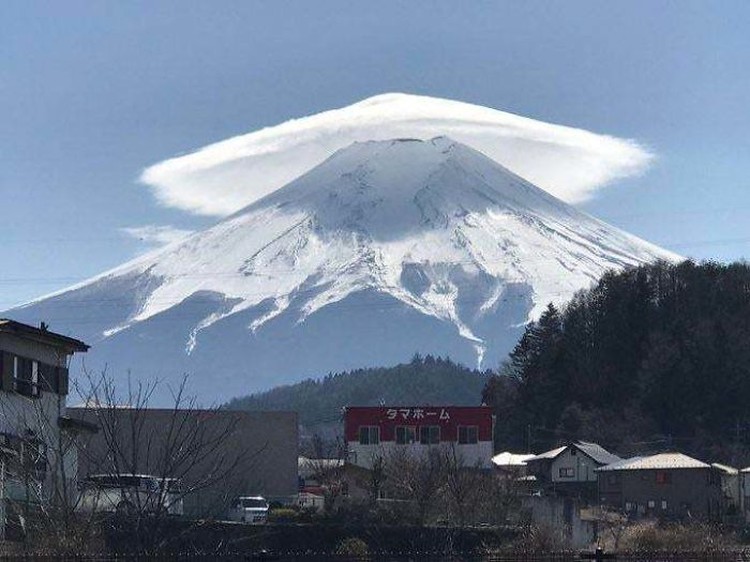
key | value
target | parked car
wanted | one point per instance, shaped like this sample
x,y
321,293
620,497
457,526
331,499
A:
x,y
124,493
249,509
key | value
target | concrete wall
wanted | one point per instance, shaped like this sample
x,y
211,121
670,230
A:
x,y
263,445
563,517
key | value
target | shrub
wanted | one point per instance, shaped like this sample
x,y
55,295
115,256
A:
x,y
540,538
651,537
353,547
282,515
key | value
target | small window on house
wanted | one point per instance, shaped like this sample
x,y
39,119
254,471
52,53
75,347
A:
x,y
468,434
664,505
405,435
369,435
429,435
663,477
26,376
651,504
573,451
567,472
628,506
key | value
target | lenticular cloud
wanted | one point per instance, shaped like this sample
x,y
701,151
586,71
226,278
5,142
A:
x,y
221,178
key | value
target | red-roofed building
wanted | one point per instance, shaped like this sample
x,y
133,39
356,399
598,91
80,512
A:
x,y
373,432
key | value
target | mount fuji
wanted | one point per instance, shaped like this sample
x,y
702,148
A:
x,y
385,249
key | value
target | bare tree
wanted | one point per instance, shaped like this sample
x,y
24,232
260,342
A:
x,y
465,486
327,468
190,453
417,478
183,453
613,522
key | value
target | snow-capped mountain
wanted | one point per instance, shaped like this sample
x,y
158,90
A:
x,y
385,249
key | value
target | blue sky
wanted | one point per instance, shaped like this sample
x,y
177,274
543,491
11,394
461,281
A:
x,y
92,93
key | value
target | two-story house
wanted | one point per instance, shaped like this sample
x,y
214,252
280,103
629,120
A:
x,y
570,469
664,486
34,428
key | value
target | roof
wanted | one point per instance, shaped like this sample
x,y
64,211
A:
x,y
307,467
662,461
724,468
548,455
597,453
74,424
511,459
41,334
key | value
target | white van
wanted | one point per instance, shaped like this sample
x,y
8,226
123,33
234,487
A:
x,y
249,509
128,493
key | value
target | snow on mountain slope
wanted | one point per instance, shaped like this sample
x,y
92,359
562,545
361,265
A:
x,y
385,249
223,177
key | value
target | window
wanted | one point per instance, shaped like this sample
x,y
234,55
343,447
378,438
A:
x,y
663,477
573,451
628,506
405,435
26,376
566,472
369,435
468,434
651,504
429,434
664,504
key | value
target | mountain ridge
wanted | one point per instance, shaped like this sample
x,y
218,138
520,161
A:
x,y
457,249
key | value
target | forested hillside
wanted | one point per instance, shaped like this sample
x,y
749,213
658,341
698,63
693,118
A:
x,y
652,358
423,381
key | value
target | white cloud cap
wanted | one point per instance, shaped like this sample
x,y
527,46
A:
x,y
224,177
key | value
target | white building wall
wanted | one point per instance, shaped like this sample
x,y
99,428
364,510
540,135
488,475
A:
x,y
475,454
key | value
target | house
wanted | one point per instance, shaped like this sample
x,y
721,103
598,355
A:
x,y
730,488
374,433
314,474
37,437
324,480
744,478
234,453
665,486
570,469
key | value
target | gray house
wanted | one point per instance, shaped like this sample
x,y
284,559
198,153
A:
x,y
570,469
664,486
37,438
